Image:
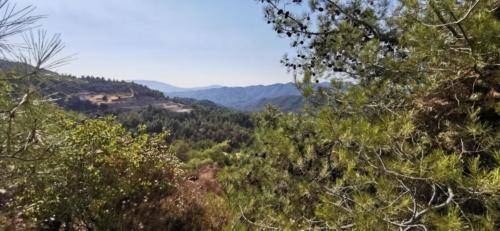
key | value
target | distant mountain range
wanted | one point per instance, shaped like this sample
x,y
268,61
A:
x,y
285,96
167,88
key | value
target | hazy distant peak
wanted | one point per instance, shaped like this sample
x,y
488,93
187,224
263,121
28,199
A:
x,y
168,88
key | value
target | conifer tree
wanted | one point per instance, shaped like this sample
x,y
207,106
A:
x,y
408,142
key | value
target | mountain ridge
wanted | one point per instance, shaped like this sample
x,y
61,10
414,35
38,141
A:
x,y
285,96
165,87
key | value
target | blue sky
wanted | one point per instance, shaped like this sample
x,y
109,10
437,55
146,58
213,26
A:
x,y
182,42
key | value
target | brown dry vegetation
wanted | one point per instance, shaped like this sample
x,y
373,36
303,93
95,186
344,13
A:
x,y
196,205
471,89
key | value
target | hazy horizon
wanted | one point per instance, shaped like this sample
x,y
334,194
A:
x,y
211,85
185,44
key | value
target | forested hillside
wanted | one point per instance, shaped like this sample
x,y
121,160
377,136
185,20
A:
x,y
88,92
289,103
408,139
200,123
207,124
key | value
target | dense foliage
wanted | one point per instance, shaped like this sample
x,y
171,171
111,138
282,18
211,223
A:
x,y
284,103
206,125
412,146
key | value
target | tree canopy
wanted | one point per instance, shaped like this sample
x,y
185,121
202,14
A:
x,y
411,145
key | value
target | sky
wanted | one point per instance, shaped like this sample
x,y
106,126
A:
x,y
187,43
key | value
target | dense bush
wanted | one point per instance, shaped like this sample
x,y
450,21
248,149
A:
x,y
98,172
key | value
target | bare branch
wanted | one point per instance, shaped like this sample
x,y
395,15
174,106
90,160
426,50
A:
x,y
424,211
469,11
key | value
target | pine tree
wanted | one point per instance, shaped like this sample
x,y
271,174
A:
x,y
410,142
